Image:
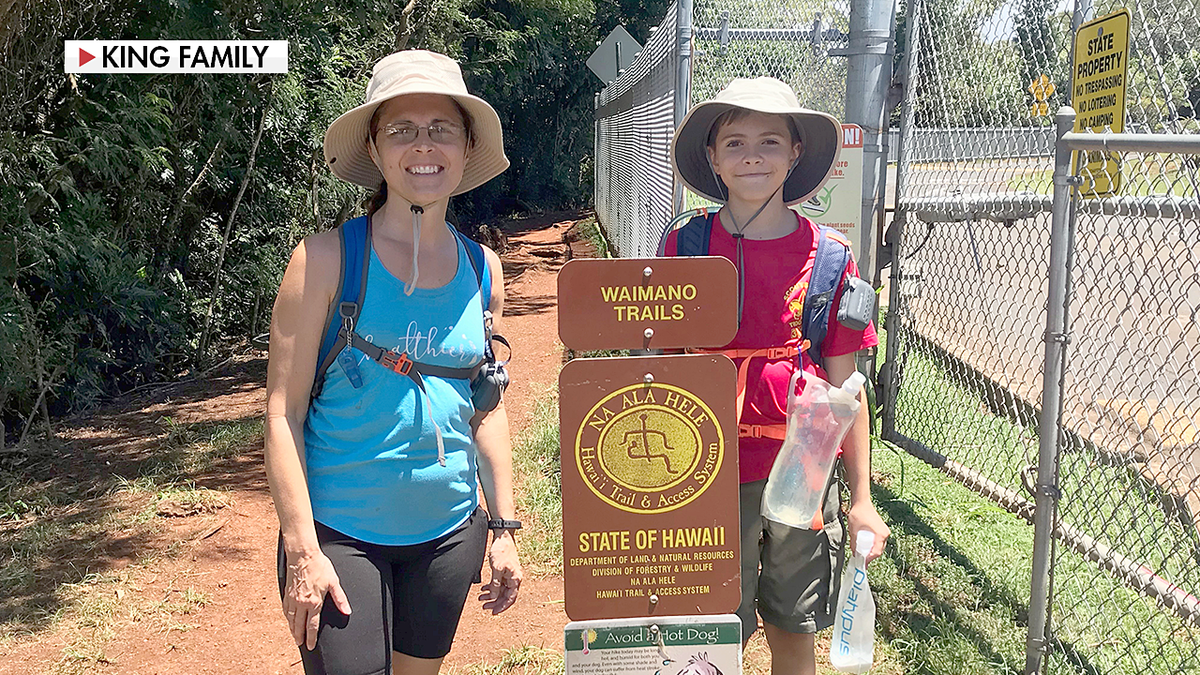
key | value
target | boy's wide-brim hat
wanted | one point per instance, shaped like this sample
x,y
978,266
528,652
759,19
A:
x,y
415,72
820,136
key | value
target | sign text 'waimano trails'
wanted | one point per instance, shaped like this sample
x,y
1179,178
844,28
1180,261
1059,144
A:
x,y
648,303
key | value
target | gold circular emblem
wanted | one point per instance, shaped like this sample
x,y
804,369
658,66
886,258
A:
x,y
649,448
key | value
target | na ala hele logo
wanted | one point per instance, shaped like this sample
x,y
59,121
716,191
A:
x,y
649,448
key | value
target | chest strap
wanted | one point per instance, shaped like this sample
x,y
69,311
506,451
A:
x,y
775,431
402,364
413,370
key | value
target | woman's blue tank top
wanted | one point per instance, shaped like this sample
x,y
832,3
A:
x,y
371,452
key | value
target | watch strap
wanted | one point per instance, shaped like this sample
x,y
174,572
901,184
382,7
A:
x,y
501,524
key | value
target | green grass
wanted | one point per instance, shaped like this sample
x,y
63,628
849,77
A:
x,y
191,450
952,586
539,491
965,563
592,233
527,660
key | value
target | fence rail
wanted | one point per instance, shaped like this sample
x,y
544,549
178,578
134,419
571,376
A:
x,y
960,143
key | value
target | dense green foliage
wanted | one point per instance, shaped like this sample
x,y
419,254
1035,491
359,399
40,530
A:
x,y
120,225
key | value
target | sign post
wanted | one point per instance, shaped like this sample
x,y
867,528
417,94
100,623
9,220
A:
x,y
1098,84
649,443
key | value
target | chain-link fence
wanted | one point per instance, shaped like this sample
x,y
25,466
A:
x,y
969,334
797,41
634,124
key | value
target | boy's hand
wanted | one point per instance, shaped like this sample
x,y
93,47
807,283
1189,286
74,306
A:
x,y
863,516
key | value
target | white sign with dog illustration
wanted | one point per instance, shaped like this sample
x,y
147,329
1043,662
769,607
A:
x,y
667,645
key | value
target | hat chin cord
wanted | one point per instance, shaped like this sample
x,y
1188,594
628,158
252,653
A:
x,y
417,212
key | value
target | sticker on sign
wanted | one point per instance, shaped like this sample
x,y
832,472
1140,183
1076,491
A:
x,y
175,56
668,645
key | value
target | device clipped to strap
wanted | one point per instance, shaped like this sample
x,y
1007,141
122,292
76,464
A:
x,y
490,381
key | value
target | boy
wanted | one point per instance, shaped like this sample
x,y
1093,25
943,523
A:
x,y
754,149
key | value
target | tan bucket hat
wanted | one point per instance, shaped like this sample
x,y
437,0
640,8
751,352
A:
x,y
820,133
415,72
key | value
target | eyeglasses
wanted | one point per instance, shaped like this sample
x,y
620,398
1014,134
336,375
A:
x,y
403,133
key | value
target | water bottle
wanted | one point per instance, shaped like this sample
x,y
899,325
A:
x,y
817,421
853,647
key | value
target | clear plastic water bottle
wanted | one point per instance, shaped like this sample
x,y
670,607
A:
x,y
817,421
853,647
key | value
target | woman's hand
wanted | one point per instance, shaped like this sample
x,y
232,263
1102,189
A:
x,y
309,579
499,594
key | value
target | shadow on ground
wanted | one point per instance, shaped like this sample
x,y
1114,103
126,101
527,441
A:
x,y
85,501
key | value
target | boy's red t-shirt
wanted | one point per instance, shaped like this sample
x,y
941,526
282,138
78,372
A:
x,y
771,311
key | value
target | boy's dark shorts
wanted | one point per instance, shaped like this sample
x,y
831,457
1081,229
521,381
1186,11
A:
x,y
797,587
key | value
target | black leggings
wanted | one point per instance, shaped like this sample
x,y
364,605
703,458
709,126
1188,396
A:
x,y
402,598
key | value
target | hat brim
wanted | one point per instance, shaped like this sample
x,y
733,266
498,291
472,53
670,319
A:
x,y
346,143
820,135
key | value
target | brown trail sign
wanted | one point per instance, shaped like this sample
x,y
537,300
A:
x,y
650,485
647,303
649,444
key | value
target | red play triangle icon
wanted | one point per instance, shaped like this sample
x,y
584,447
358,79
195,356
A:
x,y
84,57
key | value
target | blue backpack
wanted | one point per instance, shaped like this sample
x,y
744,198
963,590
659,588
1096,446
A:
x,y
342,317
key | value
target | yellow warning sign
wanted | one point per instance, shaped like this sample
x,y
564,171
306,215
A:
x,y
1098,96
1041,88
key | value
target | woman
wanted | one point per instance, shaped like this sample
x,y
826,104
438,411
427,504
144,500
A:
x,y
374,477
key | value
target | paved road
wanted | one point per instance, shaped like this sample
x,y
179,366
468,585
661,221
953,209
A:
x,y
1134,370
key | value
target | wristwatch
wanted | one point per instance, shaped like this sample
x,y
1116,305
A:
x,y
501,524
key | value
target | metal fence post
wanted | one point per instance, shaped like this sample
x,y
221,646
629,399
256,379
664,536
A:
x,y
868,77
1056,338
891,384
869,73
683,78
599,173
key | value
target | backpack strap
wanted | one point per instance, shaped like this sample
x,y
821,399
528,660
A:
x,y
355,257
479,264
693,237
484,278
829,263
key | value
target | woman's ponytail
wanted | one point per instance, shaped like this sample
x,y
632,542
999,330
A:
x,y
378,199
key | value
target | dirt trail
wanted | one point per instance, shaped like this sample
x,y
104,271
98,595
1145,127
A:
x,y
211,604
